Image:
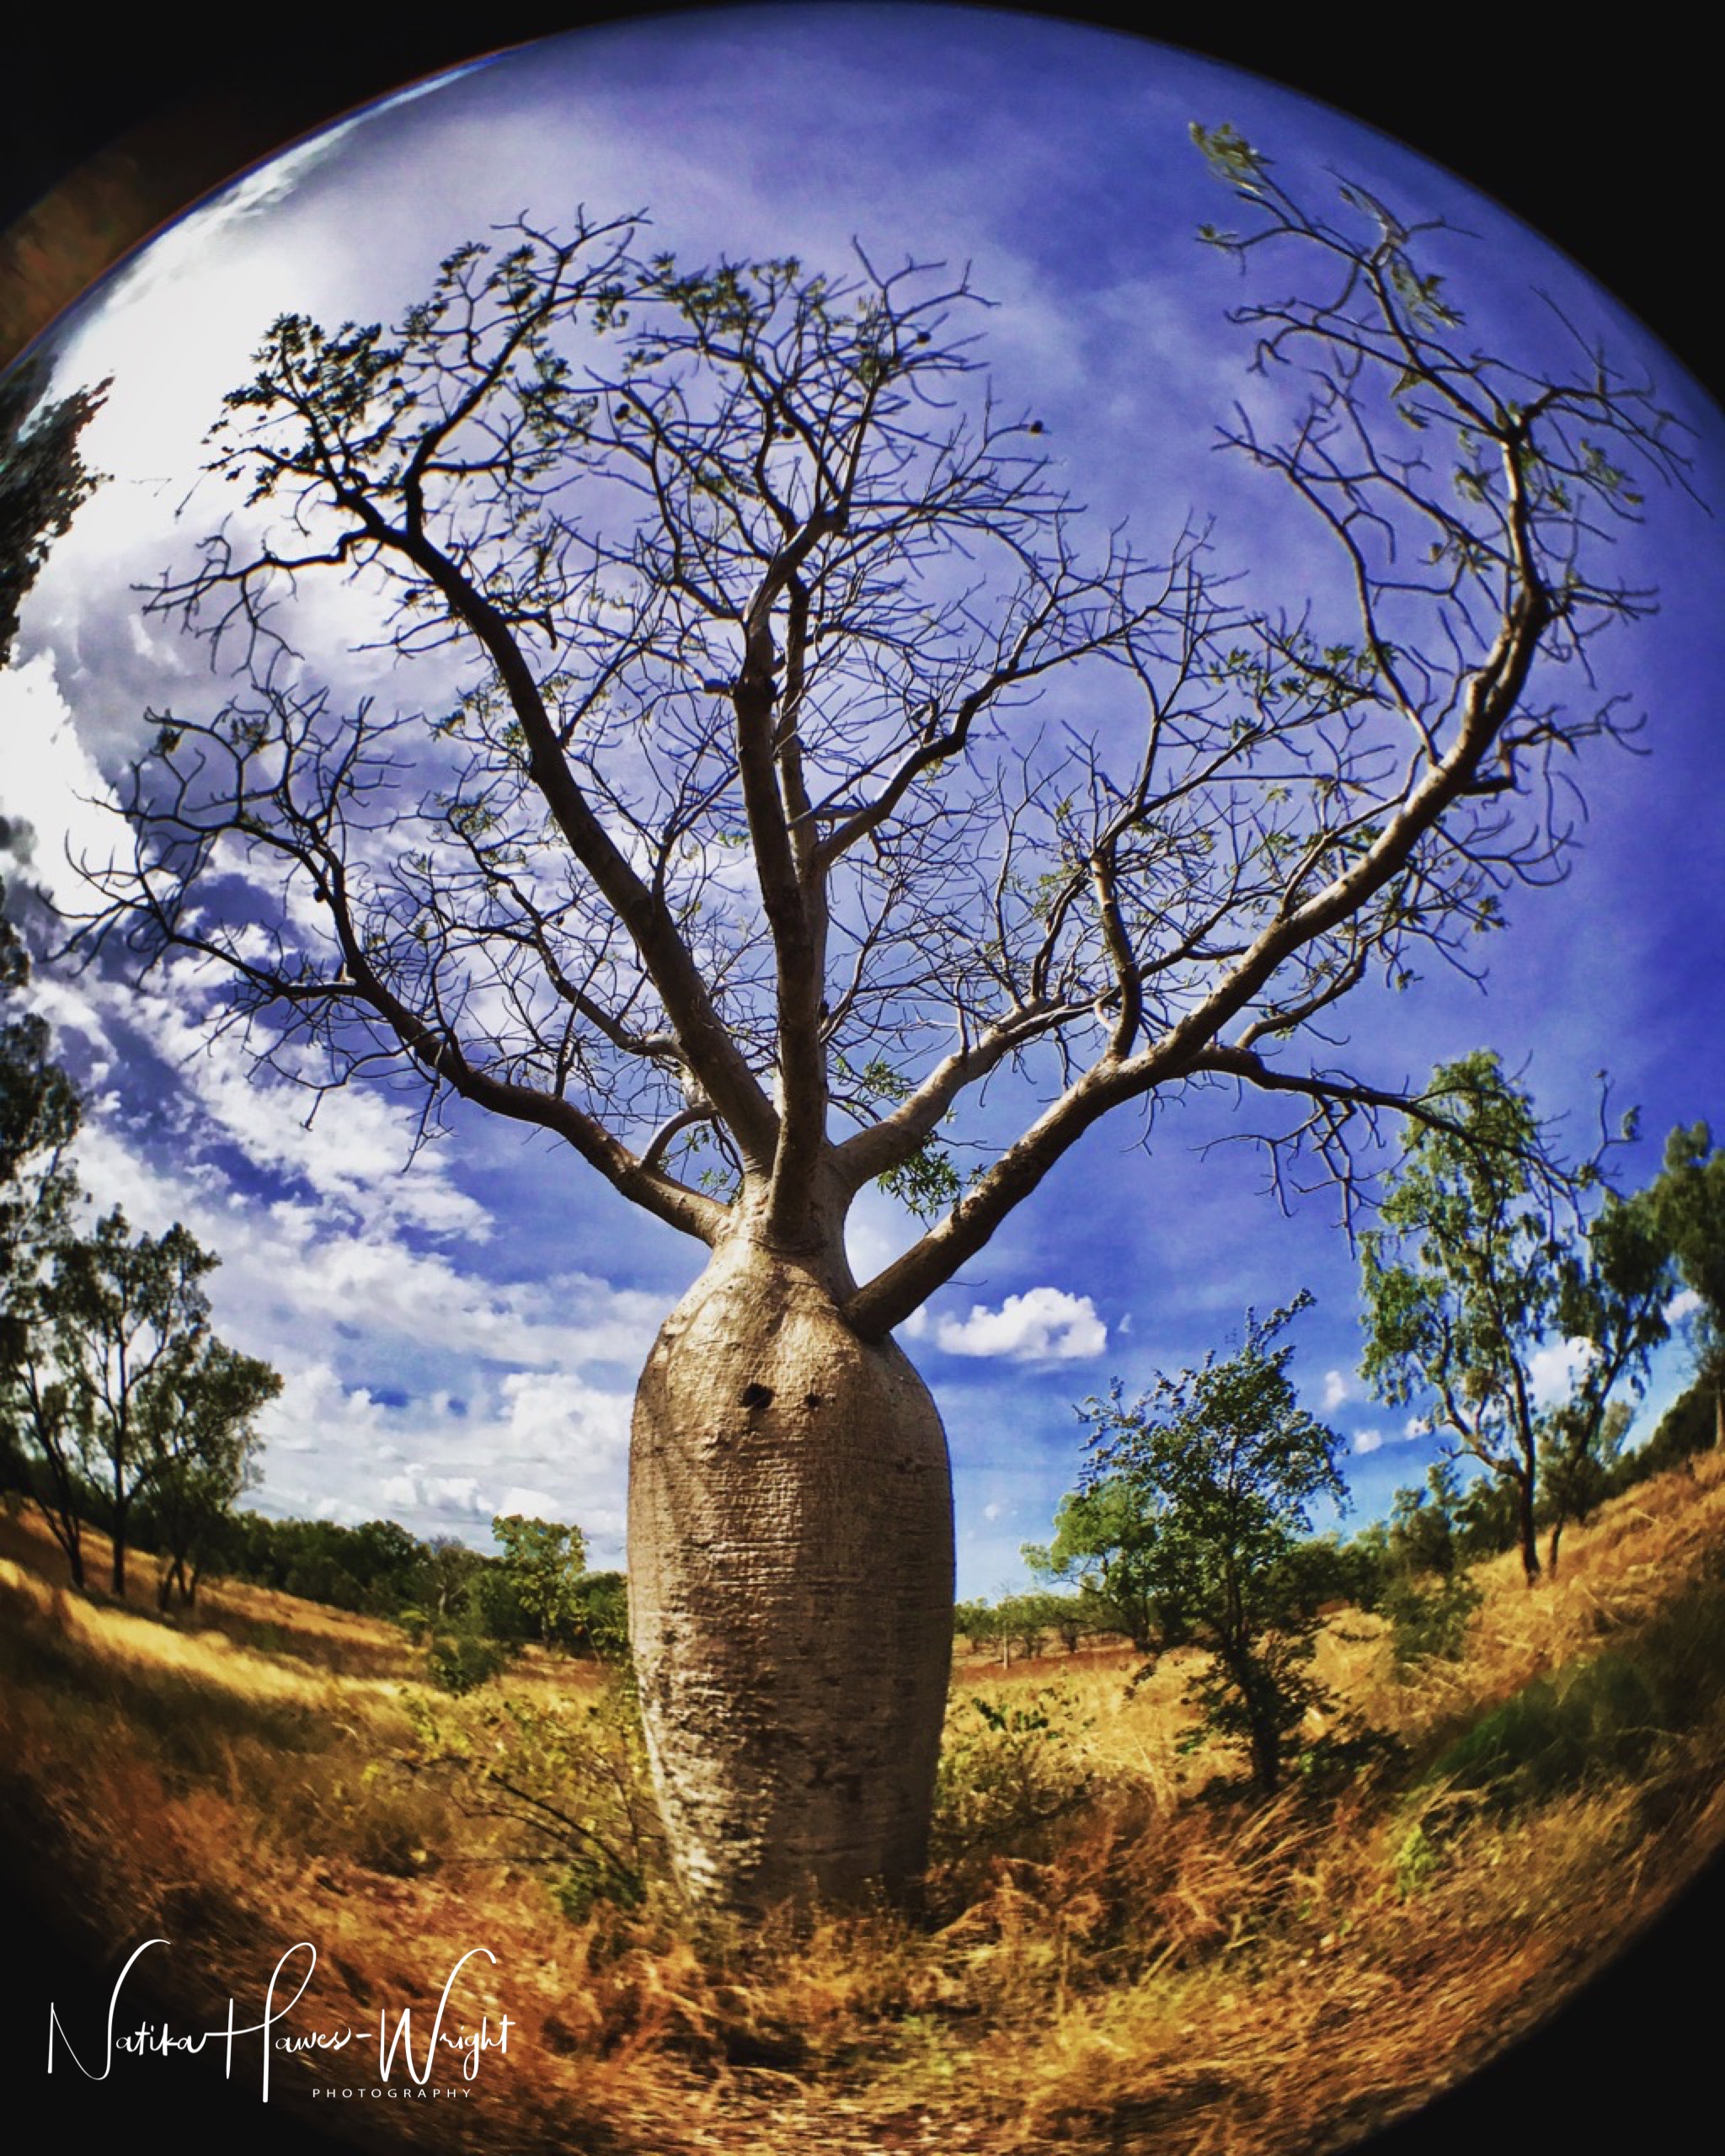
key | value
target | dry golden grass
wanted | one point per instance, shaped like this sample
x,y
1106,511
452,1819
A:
x,y
1164,1964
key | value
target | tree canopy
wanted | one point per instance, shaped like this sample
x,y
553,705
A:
x,y
1686,1201
38,1118
121,1391
44,480
720,815
1470,1277
1105,1542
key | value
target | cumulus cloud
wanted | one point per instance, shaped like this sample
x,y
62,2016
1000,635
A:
x,y
526,1504
549,1445
1374,1439
1043,1325
1552,1370
1336,1389
52,781
880,1230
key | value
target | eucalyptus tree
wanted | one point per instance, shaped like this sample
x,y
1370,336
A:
x,y
39,1117
1685,1205
1470,1277
202,1458
121,1392
1106,1541
44,479
760,755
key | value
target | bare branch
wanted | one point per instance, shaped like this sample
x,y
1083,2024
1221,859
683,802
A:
x,y
786,756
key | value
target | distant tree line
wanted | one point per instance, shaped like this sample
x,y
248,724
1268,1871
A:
x,y
469,1607
1024,1625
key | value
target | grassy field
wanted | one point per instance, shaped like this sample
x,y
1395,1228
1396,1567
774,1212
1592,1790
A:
x,y
1116,1948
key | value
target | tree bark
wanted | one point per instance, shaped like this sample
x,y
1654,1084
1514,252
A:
x,y
790,1587
1527,1533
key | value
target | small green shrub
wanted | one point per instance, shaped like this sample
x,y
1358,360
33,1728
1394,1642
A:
x,y
567,1780
460,1662
379,1818
1008,1772
1429,1618
1416,1860
1599,1716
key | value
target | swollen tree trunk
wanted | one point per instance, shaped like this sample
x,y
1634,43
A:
x,y
790,1589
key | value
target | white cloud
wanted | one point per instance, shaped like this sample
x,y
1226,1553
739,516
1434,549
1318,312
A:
x,y
53,783
457,1493
878,1231
548,1445
526,1504
358,1148
1552,1370
1043,1325
1681,1306
1336,1389
1374,1439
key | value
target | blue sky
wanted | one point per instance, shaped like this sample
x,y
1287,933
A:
x,y
460,1334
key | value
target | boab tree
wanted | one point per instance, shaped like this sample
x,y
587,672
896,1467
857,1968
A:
x,y
784,766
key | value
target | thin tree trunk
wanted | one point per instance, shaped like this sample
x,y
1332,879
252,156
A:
x,y
790,1589
66,1529
70,1540
1528,1533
